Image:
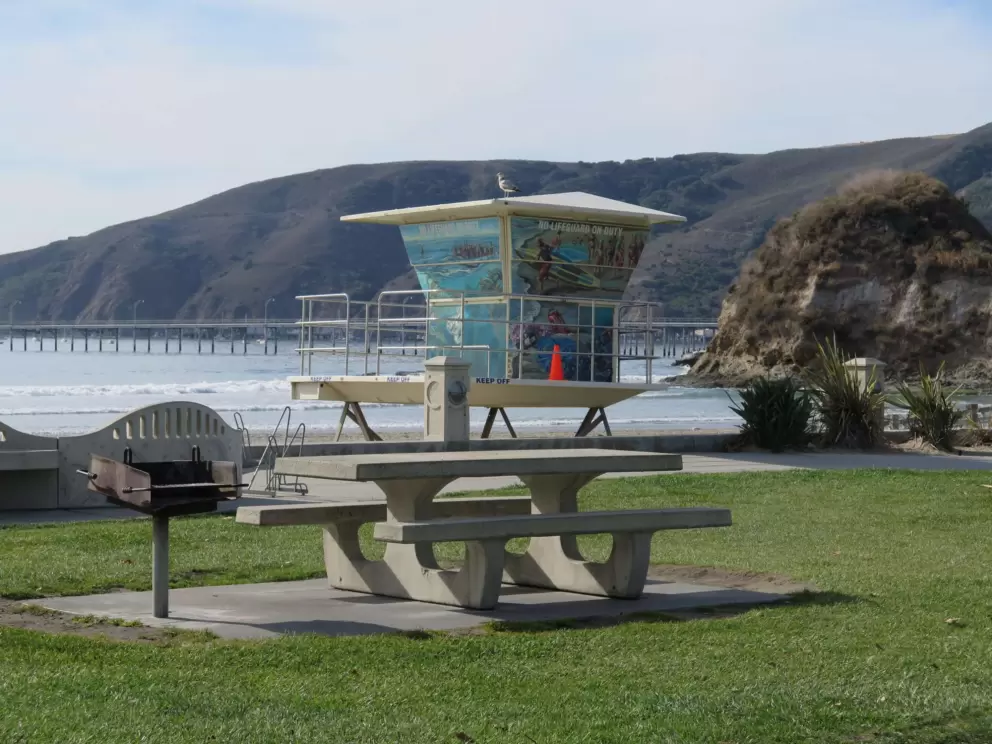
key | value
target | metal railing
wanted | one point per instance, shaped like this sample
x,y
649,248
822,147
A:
x,y
630,336
128,323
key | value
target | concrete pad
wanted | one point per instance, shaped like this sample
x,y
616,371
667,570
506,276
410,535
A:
x,y
261,611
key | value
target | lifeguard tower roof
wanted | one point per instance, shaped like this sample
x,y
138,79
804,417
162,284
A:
x,y
573,205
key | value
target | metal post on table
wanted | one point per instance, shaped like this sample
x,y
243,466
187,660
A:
x,y
160,565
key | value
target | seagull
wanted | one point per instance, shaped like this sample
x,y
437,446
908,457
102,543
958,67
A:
x,y
507,186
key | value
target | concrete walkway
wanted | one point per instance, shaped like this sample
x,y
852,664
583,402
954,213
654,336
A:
x,y
737,462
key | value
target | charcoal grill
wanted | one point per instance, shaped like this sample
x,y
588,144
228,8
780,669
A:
x,y
165,489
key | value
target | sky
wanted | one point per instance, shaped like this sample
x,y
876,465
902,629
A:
x,y
112,110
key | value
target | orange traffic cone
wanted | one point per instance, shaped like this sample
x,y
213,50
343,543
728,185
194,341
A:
x,y
557,373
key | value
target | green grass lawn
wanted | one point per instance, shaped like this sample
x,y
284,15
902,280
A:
x,y
871,658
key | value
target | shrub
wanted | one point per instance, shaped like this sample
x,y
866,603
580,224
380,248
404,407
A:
x,y
849,415
933,411
777,414
977,434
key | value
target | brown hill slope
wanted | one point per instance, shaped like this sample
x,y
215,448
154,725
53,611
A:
x,y
224,256
894,266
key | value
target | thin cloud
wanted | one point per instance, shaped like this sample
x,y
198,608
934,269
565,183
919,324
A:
x,y
121,110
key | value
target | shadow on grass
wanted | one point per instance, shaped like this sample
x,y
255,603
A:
x,y
713,612
973,727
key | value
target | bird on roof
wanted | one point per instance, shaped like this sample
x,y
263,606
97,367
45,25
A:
x,y
506,185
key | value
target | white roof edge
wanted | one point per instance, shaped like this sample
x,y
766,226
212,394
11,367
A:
x,y
552,205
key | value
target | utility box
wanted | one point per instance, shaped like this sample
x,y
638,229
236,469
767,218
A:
x,y
870,374
867,369
446,385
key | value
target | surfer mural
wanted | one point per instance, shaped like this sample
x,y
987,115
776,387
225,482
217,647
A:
x,y
564,265
555,281
574,259
584,340
459,256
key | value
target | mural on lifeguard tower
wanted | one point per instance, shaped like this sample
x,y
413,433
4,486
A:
x,y
559,267
574,259
462,256
555,260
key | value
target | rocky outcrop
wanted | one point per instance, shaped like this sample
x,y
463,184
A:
x,y
894,266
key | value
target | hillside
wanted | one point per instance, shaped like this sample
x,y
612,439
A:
x,y
225,255
894,267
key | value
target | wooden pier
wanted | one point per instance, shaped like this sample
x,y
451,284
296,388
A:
x,y
669,337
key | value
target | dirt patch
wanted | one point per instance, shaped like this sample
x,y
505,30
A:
x,y
27,616
918,446
753,581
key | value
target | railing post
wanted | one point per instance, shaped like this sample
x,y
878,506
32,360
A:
x,y
649,344
868,370
303,354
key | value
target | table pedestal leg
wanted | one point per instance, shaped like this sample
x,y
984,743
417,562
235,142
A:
x,y
411,571
557,563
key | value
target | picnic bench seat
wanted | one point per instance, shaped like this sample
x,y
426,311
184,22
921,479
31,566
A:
x,y
553,560
634,521
373,511
16,460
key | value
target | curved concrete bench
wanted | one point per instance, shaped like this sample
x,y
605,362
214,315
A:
x,y
38,472
163,431
29,470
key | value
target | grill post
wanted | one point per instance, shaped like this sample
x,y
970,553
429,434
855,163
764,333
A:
x,y
160,565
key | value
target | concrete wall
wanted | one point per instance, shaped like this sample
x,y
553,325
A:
x,y
40,472
166,431
28,470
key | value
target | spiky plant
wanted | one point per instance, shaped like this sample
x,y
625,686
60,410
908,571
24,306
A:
x,y
849,413
777,413
933,410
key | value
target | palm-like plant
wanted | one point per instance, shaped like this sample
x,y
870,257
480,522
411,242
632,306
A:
x,y
849,413
933,411
777,413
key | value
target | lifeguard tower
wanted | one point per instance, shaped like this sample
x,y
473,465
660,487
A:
x,y
507,284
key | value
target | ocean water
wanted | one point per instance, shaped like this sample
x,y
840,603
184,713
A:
x,y
73,392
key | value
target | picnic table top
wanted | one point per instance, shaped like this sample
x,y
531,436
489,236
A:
x,y
477,464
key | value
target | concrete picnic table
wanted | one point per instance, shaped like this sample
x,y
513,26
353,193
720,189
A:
x,y
413,520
